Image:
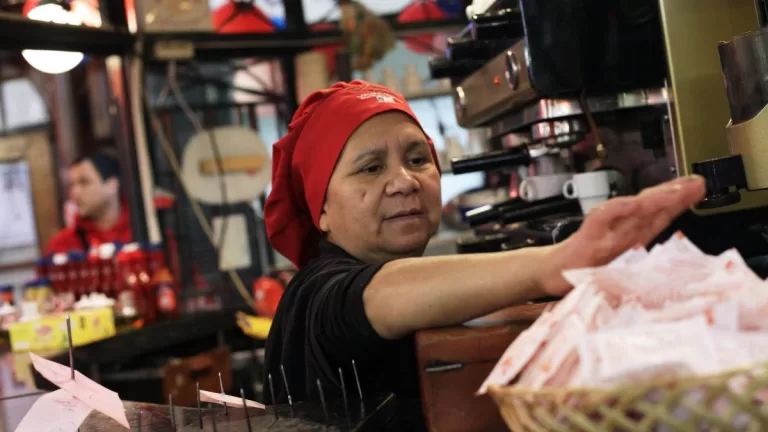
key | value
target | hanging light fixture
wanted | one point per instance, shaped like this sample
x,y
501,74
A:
x,y
53,62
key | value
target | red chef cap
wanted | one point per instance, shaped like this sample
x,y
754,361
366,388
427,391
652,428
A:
x,y
303,160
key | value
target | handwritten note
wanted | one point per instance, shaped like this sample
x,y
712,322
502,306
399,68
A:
x,y
97,397
232,401
55,412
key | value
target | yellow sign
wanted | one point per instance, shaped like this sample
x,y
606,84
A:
x,y
50,332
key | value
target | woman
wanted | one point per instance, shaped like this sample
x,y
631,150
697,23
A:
x,y
355,199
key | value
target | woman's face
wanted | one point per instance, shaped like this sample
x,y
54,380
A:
x,y
383,201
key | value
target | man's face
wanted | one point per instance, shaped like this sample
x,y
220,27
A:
x,y
383,201
89,191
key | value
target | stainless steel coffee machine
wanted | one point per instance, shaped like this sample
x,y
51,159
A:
x,y
634,86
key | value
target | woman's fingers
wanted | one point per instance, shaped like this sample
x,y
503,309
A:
x,y
624,222
662,204
605,216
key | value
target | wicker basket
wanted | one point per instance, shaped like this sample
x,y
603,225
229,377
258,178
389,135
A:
x,y
726,402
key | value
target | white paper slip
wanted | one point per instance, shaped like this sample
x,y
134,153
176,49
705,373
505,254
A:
x,y
231,401
83,388
55,412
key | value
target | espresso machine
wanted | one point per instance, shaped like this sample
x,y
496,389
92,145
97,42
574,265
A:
x,y
527,69
631,86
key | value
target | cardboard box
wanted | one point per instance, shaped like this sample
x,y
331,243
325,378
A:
x,y
50,332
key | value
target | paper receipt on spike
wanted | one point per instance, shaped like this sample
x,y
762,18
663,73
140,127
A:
x,y
55,412
232,401
83,388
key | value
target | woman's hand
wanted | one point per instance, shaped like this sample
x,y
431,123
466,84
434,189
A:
x,y
619,224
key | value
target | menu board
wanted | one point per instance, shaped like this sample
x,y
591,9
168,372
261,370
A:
x,y
17,218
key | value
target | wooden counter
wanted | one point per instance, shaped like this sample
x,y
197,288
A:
x,y
453,362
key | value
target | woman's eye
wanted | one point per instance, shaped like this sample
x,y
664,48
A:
x,y
418,161
371,169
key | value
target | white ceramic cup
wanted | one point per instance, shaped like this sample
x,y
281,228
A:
x,y
542,186
592,188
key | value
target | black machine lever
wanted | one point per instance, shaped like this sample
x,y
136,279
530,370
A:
x,y
724,177
500,24
540,209
505,158
442,67
469,49
493,212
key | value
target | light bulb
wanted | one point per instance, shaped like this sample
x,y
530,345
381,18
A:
x,y
53,62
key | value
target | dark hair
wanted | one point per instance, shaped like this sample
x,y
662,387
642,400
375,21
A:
x,y
104,161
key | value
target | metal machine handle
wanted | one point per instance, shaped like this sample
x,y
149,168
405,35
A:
x,y
470,49
505,158
501,24
560,205
443,67
494,212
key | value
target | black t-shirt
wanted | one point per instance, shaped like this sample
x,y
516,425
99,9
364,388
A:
x,y
321,326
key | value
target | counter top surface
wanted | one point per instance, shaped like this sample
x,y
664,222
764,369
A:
x,y
18,392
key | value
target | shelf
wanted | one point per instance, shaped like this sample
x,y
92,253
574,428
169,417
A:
x,y
214,46
22,33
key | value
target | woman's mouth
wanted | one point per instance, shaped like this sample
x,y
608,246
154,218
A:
x,y
404,216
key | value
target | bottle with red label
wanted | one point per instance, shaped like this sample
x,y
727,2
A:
x,y
91,271
129,287
107,270
6,295
76,274
59,279
148,298
163,283
43,267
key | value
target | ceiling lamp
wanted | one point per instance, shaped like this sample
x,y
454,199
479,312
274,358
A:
x,y
241,16
421,11
53,62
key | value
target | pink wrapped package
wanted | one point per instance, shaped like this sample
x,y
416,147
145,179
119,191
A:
x,y
670,311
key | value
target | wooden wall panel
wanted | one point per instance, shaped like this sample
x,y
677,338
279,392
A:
x,y
35,148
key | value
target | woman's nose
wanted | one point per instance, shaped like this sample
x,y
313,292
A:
x,y
402,181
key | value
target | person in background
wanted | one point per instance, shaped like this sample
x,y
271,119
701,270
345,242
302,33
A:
x,y
102,215
355,199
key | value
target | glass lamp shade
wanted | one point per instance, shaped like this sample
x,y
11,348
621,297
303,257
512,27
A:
x,y
53,62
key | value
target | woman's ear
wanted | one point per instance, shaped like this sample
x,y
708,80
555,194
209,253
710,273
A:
x,y
323,222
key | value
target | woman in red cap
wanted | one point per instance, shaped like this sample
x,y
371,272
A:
x,y
355,199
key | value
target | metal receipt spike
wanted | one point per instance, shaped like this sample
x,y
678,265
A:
x,y
170,408
322,399
287,389
199,410
213,417
221,386
22,395
71,355
245,407
272,392
359,389
138,425
343,388
357,380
